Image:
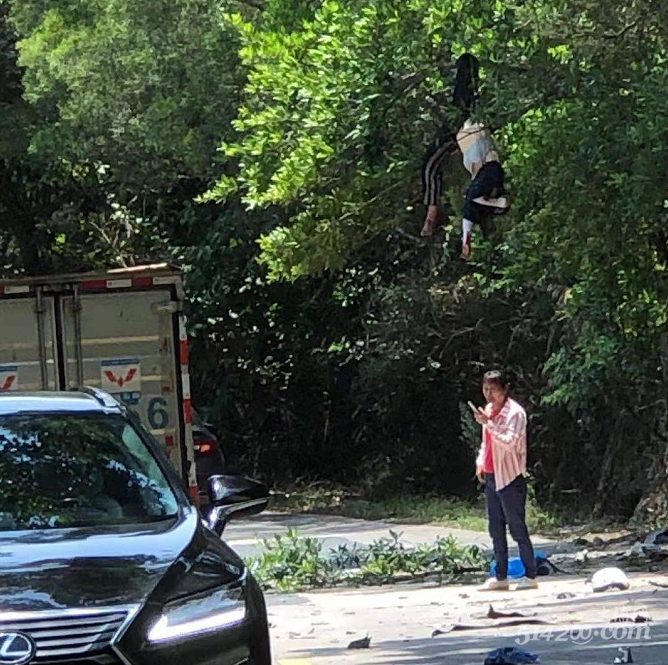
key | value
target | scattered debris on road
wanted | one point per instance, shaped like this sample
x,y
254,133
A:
x,y
654,547
494,614
506,623
511,656
608,579
566,595
639,618
625,657
364,643
581,557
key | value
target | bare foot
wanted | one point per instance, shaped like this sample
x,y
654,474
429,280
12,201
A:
x,y
427,229
429,222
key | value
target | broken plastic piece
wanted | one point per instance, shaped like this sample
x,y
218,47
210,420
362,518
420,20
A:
x,y
609,578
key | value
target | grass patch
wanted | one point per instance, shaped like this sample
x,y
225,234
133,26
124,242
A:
x,y
407,509
420,510
295,563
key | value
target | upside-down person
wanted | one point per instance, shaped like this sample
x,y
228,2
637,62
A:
x,y
432,177
485,198
445,143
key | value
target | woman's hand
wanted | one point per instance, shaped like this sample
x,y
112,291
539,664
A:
x,y
481,416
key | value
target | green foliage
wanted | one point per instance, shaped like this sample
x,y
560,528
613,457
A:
x,y
292,562
470,429
148,87
327,340
388,558
322,129
328,127
540,520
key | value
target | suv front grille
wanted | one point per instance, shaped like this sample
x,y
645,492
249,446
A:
x,y
68,633
102,659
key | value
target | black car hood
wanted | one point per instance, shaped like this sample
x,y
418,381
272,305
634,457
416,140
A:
x,y
91,567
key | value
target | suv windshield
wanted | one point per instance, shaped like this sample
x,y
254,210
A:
x,y
67,470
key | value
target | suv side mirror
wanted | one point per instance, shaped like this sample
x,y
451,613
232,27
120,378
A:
x,y
234,497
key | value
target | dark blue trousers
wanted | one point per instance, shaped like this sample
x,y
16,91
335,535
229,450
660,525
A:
x,y
508,507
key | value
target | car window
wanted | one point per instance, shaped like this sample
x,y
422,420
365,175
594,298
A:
x,y
198,423
66,470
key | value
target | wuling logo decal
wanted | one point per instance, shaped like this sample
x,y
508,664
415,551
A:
x,y
121,377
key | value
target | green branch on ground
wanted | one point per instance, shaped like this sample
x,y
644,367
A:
x,y
292,562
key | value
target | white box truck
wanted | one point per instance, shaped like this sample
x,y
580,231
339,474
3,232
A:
x,y
122,331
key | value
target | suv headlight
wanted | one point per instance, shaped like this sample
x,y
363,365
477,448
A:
x,y
203,613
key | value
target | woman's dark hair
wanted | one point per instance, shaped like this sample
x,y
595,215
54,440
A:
x,y
499,377
466,83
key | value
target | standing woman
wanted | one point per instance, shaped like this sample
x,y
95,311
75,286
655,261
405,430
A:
x,y
501,465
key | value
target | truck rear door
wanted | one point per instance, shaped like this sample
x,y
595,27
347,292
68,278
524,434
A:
x,y
27,343
128,347
123,335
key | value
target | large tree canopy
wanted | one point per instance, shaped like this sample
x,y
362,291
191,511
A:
x,y
149,87
273,148
336,108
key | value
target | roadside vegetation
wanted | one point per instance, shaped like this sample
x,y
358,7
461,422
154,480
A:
x,y
292,563
411,509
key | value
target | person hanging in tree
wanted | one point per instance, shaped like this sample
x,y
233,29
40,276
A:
x,y
445,143
485,196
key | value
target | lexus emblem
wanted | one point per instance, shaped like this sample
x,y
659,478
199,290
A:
x,y
16,649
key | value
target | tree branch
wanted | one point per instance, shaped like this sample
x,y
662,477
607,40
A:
x,y
253,4
623,31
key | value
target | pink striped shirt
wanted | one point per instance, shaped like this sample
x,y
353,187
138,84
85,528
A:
x,y
509,437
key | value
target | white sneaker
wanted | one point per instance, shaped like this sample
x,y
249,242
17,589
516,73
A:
x,y
492,584
525,583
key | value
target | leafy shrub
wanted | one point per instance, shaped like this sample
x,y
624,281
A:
x,y
292,562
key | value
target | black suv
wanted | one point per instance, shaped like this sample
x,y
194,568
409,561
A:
x,y
103,559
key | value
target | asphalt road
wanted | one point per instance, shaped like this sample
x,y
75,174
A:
x,y
247,536
316,628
